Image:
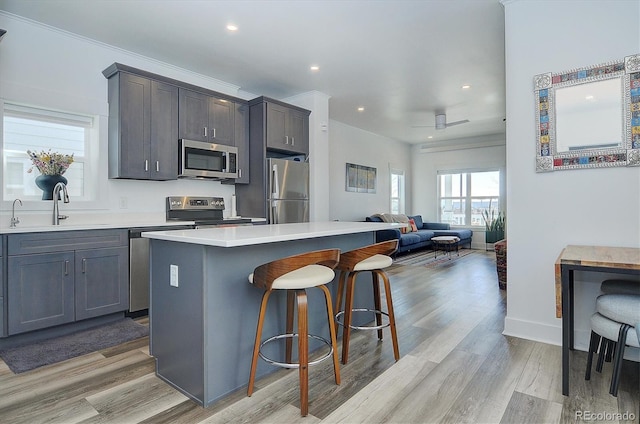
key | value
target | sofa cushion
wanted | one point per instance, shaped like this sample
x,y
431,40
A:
x,y
436,226
409,238
425,235
418,220
462,233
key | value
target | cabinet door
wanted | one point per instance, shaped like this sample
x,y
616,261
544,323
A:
x,y
242,142
221,121
135,120
164,131
40,291
102,281
298,129
277,126
194,115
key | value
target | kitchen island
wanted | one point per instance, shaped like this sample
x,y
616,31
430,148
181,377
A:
x,y
204,312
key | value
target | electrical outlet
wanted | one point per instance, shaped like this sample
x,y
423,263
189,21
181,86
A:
x,y
173,269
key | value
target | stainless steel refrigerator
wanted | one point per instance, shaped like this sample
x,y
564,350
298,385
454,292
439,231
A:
x,y
288,191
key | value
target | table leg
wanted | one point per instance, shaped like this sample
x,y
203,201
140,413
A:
x,y
566,330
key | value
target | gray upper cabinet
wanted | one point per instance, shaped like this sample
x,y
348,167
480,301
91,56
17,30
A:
x,y
286,127
143,128
61,277
206,118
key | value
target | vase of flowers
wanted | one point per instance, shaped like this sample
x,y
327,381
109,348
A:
x,y
51,166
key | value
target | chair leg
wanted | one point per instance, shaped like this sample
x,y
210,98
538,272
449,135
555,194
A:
x,y
392,318
593,347
611,348
303,352
256,345
291,301
332,332
601,352
348,306
618,358
376,301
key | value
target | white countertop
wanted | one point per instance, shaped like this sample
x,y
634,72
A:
x,y
69,226
262,234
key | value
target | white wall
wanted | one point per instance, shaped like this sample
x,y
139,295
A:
x,y
353,145
46,67
426,166
550,210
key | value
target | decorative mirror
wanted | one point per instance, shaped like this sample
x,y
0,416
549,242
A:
x,y
589,117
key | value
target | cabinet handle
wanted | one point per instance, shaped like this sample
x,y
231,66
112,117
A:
x,y
157,166
205,131
239,173
286,139
146,165
66,267
293,141
214,133
84,265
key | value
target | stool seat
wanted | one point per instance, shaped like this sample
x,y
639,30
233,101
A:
x,y
619,286
623,308
295,275
302,278
373,258
373,262
615,315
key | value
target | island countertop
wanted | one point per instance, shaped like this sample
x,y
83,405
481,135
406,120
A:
x,y
261,234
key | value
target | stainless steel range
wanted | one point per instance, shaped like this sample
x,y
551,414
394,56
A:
x,y
204,211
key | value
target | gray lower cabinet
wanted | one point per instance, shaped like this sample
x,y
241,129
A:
x,y
61,277
3,329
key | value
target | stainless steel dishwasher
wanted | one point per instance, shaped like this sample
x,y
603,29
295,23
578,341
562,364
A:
x,y
139,282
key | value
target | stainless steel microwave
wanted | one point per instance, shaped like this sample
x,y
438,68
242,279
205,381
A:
x,y
198,159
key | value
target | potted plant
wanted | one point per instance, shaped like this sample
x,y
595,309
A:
x,y
51,166
494,225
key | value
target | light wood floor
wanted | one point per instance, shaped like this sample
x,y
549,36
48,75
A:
x,y
455,366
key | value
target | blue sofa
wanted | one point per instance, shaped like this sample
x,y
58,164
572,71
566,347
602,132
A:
x,y
421,238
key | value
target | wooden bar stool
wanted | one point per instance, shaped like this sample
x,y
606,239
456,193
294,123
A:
x,y
373,258
295,274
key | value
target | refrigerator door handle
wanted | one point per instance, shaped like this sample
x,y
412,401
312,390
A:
x,y
275,190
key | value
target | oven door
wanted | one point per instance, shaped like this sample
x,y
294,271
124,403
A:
x,y
206,160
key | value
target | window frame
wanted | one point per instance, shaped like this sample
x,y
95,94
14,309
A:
x,y
401,190
95,163
468,198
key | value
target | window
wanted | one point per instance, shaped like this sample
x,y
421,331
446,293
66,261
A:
x,y
464,196
28,128
397,191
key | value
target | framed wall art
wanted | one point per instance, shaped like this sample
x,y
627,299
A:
x,y
360,178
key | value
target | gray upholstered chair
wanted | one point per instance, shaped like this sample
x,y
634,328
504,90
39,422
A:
x,y
615,315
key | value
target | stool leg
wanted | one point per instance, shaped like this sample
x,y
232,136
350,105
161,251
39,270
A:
x,y
303,352
593,347
618,358
341,281
601,352
611,347
348,306
256,346
332,332
376,301
291,301
392,318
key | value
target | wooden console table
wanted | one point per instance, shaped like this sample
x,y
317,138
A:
x,y
622,260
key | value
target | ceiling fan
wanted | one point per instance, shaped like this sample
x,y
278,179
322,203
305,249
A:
x,y
441,122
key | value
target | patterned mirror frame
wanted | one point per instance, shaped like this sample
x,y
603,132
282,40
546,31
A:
x,y
625,154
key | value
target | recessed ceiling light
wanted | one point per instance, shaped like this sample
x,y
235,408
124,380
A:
x,y
232,27
361,109
466,86
314,67
430,136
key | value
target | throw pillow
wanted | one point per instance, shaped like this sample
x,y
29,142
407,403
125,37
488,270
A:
x,y
413,225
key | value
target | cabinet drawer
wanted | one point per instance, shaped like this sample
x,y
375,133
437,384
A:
x,y
56,241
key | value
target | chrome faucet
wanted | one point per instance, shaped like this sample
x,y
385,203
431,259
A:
x,y
14,220
65,198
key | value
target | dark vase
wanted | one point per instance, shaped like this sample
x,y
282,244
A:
x,y
46,183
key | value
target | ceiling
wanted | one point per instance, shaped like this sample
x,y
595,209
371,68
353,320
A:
x,y
403,61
